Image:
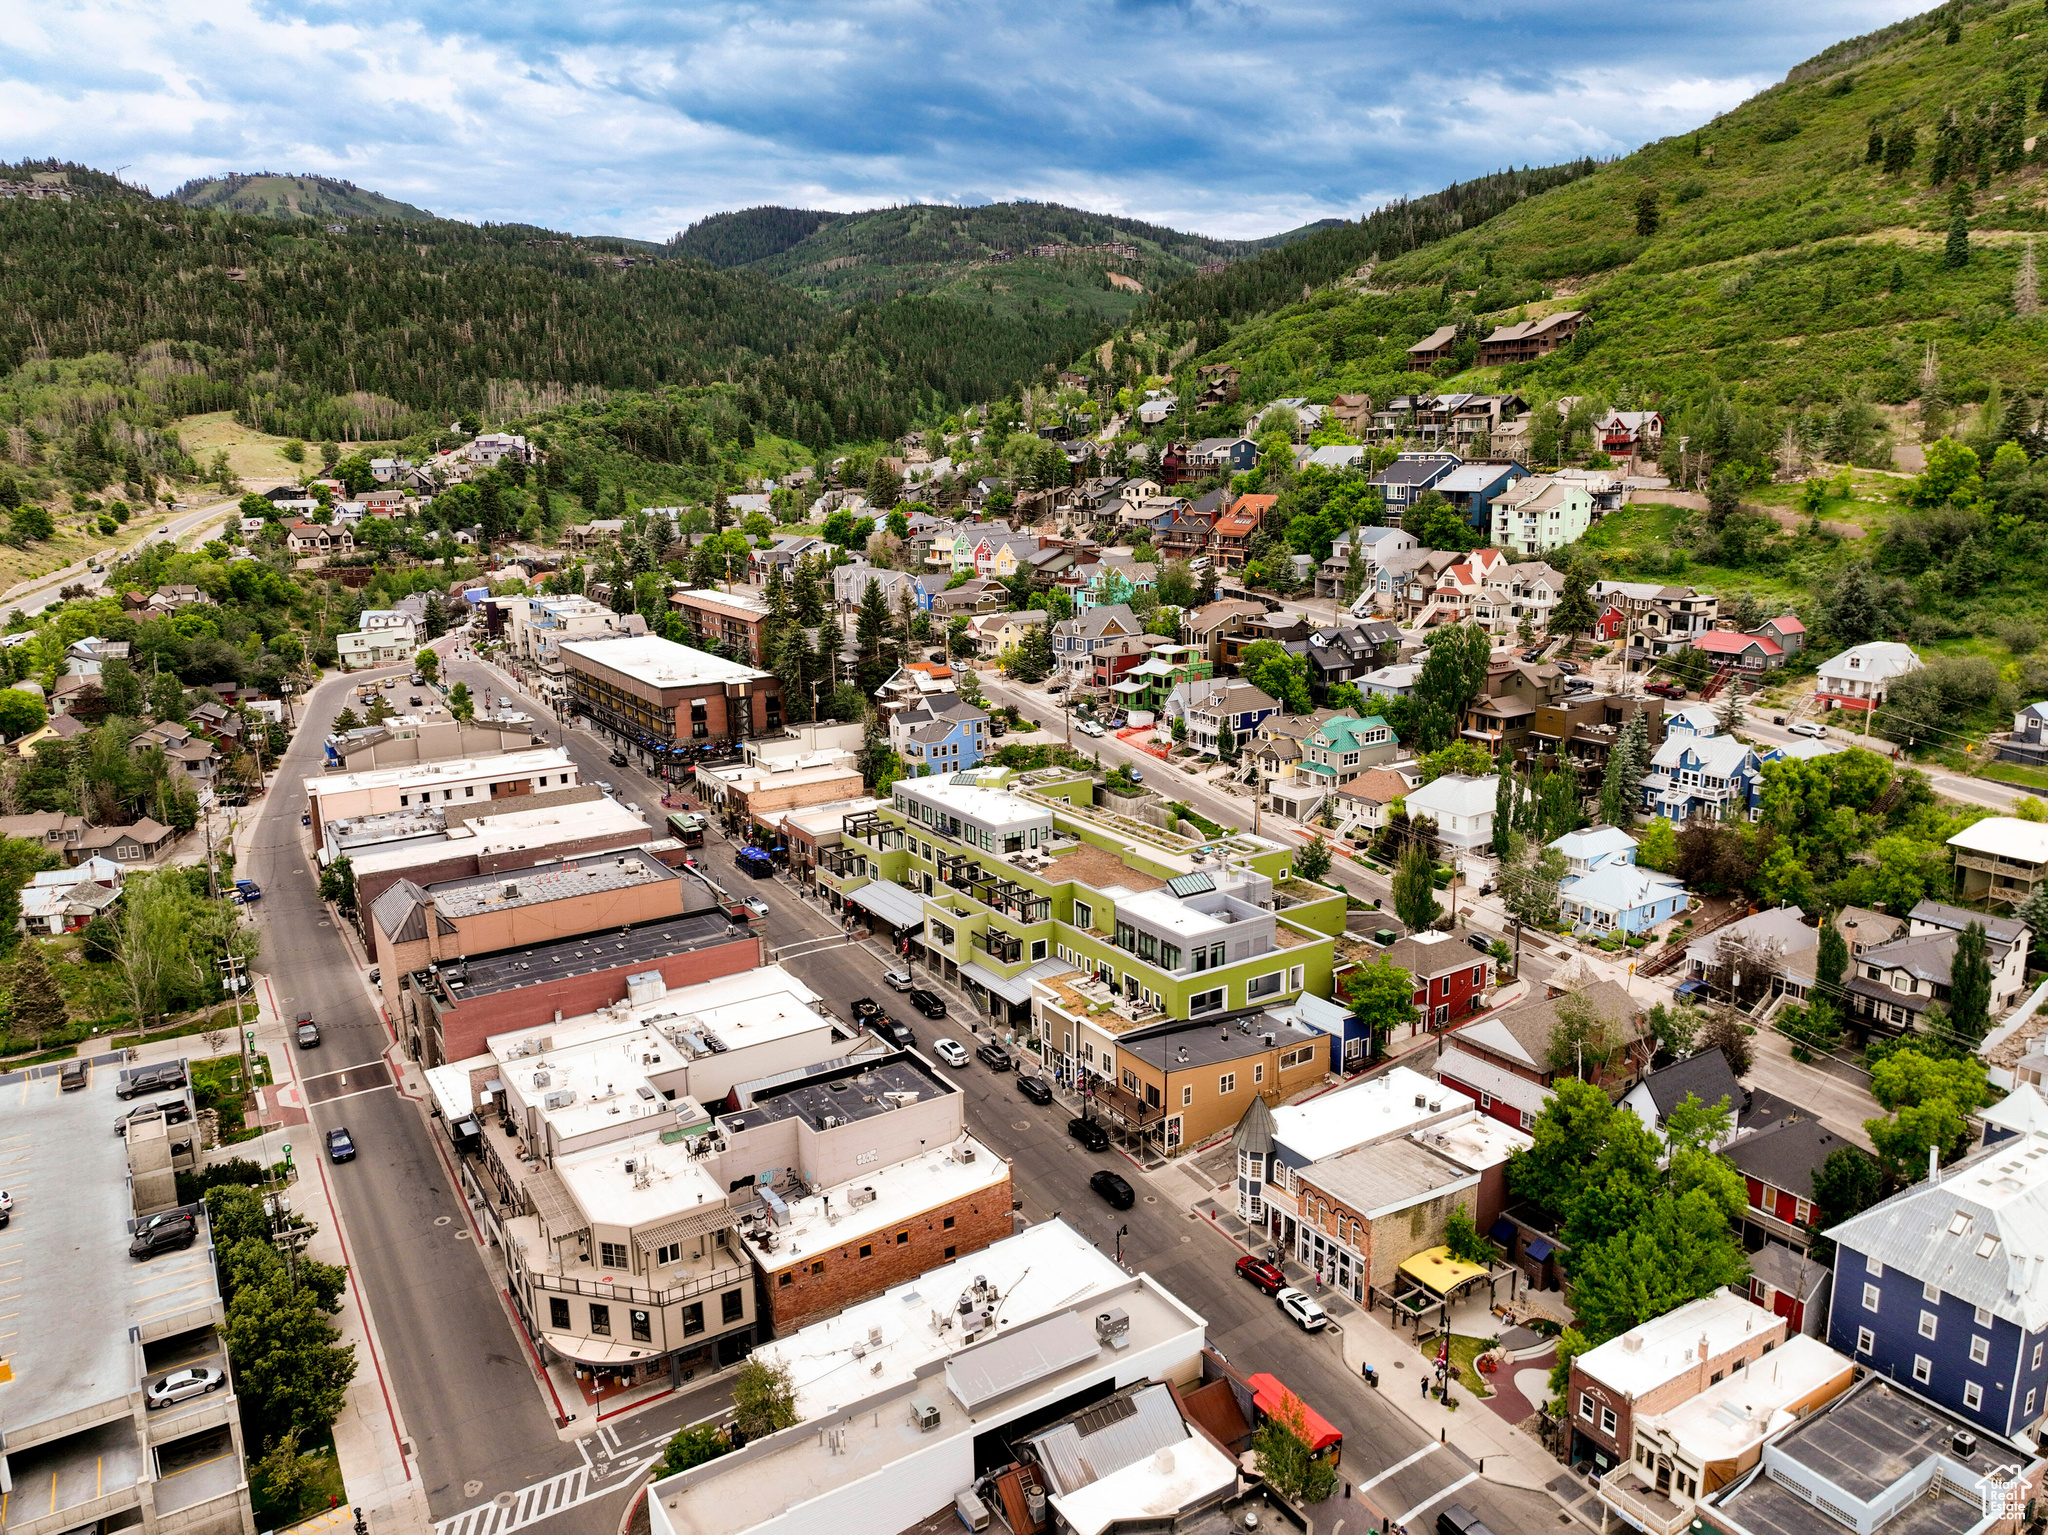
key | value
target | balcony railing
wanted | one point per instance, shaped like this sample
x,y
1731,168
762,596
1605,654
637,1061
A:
x,y
1004,948
595,1289
862,827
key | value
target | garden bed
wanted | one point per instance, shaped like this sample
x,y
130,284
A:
x,y
1465,1352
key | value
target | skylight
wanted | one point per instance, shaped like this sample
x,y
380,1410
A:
x,y
1987,1247
1959,1225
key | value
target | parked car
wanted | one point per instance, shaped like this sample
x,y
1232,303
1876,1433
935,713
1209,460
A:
x,y
1089,728
900,980
1685,991
417,679
340,1148
1307,1315
1480,942
1089,1134
951,1051
1037,1089
756,905
607,788
308,1031
170,1236
1807,728
1579,684
1664,690
1460,1520
1114,1191
930,1003
896,1032
1262,1274
866,1010
151,1079
174,1110
994,1057
183,1385
417,700
1569,668
1055,687
73,1077
6,1201
1532,652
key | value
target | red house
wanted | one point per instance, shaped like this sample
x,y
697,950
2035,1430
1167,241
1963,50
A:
x,y
1777,1166
1795,1288
1449,978
1613,624
1502,1061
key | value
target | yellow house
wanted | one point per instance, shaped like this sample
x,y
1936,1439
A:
x,y
1012,555
995,633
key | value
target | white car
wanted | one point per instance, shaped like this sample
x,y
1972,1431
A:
x,y
1818,732
1308,1316
1089,728
604,786
756,905
6,1200
951,1051
182,1385
901,980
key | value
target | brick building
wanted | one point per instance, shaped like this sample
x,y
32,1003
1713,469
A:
x,y
452,786
735,620
1363,1214
667,698
1655,1367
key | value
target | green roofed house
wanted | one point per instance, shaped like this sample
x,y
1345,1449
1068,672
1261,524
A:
x,y
1345,747
1076,927
1144,687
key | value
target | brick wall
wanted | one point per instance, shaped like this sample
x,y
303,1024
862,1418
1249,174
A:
x,y
796,1296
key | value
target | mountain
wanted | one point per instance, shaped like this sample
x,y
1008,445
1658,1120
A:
x,y
752,234
1796,253
294,197
1288,237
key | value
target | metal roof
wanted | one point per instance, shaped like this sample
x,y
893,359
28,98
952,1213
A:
x,y
1016,1359
892,903
1102,1440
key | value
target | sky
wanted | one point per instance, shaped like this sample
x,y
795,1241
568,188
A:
x,y
635,117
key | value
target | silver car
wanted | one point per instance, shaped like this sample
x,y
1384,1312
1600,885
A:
x,y
901,980
183,1385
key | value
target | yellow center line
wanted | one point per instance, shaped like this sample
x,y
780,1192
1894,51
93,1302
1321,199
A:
x,y
196,1465
53,1492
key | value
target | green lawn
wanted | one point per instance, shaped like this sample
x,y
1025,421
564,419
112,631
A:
x,y
1465,1352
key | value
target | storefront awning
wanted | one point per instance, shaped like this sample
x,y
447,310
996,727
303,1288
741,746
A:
x,y
1017,988
1438,1272
1539,1249
892,903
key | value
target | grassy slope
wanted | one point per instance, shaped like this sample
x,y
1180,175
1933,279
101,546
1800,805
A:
x,y
1783,270
289,197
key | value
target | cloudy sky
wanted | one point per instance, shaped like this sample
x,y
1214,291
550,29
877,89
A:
x,y
637,116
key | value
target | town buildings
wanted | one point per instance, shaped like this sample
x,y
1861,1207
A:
x,y
668,699
733,622
1530,339
2000,859
1652,622
1461,806
1715,778
1504,1062
382,637
420,786
1538,514
1859,677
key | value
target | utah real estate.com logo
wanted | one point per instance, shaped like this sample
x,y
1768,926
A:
x,y
2004,1493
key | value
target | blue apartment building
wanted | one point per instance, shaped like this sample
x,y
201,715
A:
x,y
1944,1287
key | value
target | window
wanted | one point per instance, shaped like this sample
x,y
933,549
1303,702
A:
x,y
1187,1097
902,1238
1980,1351
2038,1348
642,1326
1586,1405
1038,948
558,1313
1927,1324
600,1320
612,1255
783,1280
1296,974
1866,1340
1802,1211
2029,1408
867,1249
1528,1121
1227,1083
1870,1297
1973,1395
1607,1420
732,1306
1983,1316
671,1253
1260,986
1205,1002
1084,914
947,1224
1297,1057
951,1250
1931,1293
1923,1369
1874,1269
1258,1072
818,1267
693,1319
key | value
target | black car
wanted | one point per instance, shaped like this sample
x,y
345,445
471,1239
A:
x,y
1089,1134
152,1079
994,1057
73,1077
617,759
168,1237
1113,1189
898,1034
339,1147
1569,668
930,1003
1460,1520
1037,1089
174,1110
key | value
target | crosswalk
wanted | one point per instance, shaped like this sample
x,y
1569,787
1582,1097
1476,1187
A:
x,y
613,1468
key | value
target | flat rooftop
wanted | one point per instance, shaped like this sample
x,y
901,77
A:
x,y
69,1292
1476,1142
665,1182
828,820
454,772
1392,1175
768,996
565,879
801,1466
1649,1355
890,1196
1373,1110
509,969
655,662
984,804
848,1091
739,603
1214,1044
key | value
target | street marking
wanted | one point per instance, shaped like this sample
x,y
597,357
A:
x,y
544,1500
1399,1465
1438,1496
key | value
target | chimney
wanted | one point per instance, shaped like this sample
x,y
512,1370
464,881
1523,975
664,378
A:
x,y
433,929
1933,1165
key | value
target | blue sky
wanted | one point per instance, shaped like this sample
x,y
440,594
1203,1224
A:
x,y
634,117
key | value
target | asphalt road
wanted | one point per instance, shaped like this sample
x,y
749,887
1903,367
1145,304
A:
x,y
184,526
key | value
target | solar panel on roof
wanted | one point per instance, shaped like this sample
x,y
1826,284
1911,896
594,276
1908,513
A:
x,y
1191,884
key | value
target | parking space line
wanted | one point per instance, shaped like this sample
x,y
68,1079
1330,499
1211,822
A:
x,y
1437,1497
1399,1465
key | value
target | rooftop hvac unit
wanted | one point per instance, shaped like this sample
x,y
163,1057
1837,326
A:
x,y
874,1337
543,1078
545,1043
1964,1445
865,1195
559,1100
966,1153
1113,1327
972,1511
510,889
1034,1500
924,1414
1421,1100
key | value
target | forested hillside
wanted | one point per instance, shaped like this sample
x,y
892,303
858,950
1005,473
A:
x,y
294,197
749,235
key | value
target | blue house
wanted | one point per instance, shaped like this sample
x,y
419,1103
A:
x,y
1409,475
941,734
1944,1288
1621,895
1715,778
1472,487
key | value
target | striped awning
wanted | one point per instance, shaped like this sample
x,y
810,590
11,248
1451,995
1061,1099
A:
x,y
553,1202
697,1223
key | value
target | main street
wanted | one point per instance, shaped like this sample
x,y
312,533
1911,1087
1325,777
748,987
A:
x,y
1050,1172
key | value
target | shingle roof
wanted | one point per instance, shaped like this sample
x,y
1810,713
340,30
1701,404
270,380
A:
x,y
1706,1076
1786,1156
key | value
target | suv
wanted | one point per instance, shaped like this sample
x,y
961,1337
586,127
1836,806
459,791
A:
x,y
73,1077
308,1031
151,1079
930,1003
1089,1134
168,1237
617,759
1117,1193
994,1057
1460,1520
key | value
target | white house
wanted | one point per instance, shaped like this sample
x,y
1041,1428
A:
x,y
1585,851
382,636
1859,677
1461,806
1539,513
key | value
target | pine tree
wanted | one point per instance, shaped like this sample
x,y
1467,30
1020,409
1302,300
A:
x,y
1731,715
1503,810
1969,986
38,1004
1956,253
10,493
